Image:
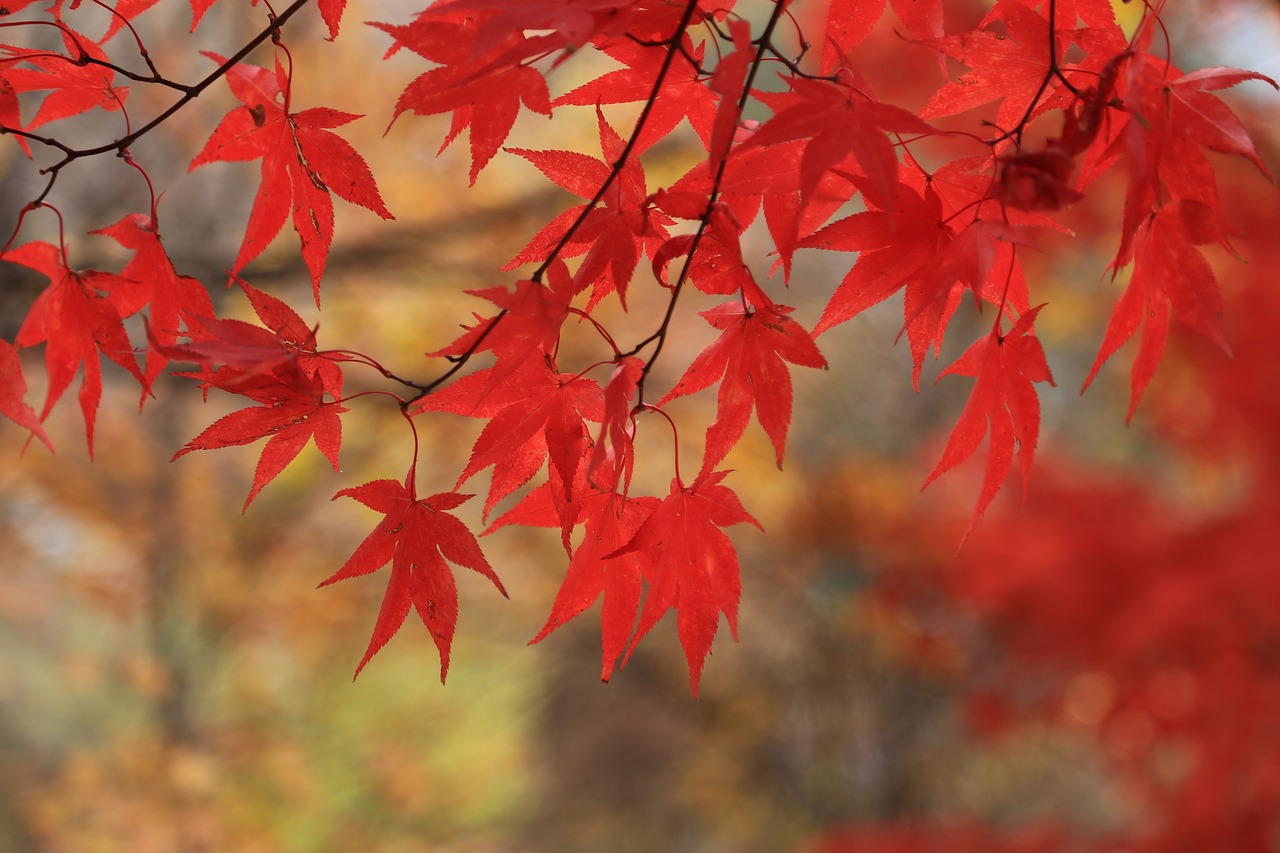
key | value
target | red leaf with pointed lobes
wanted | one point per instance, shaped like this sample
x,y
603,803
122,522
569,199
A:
x,y
894,248
291,423
683,94
728,80
1003,404
13,388
1205,118
747,359
1174,123
76,319
527,327
617,429
839,123
1007,57
915,248
153,281
1170,278
76,86
614,234
534,413
482,86
284,351
690,565
302,163
610,522
419,538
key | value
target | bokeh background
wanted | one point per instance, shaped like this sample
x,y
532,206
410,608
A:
x,y
1096,669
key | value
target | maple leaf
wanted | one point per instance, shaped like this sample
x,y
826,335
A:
x,y
1008,60
683,93
282,350
527,326
690,564
13,388
893,248
840,122
152,280
417,536
11,112
912,247
535,412
614,446
849,22
1173,123
481,94
614,233
290,417
747,359
75,318
277,367
1171,278
303,161
76,84
1003,403
610,521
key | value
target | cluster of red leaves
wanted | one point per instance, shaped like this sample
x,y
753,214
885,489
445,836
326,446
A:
x,y
933,233
1137,607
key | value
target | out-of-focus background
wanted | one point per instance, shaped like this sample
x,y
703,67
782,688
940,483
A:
x,y
1096,669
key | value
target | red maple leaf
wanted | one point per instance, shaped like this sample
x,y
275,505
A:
x,y
283,350
152,280
683,93
534,413
277,367
610,521
614,234
690,565
417,537
480,91
1003,403
75,318
290,416
848,22
527,327
13,388
1174,122
748,361
76,85
1171,278
913,247
1008,61
303,161
615,445
839,122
